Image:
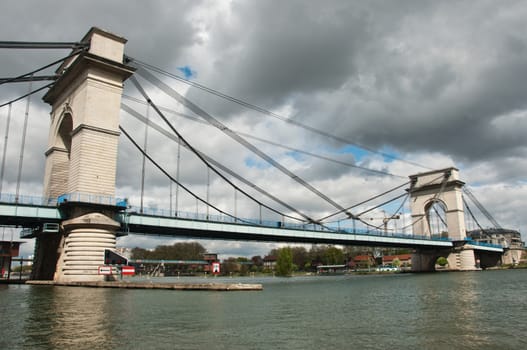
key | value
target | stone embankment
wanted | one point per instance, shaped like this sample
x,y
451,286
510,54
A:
x,y
151,285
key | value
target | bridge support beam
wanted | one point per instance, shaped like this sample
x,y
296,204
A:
x,y
463,259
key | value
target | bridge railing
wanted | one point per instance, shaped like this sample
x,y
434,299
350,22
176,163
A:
x,y
79,197
75,197
273,224
483,244
27,200
123,203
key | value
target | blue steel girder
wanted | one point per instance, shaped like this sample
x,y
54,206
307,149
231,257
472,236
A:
x,y
31,216
27,215
172,226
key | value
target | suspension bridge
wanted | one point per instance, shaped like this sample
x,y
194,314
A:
x,y
79,215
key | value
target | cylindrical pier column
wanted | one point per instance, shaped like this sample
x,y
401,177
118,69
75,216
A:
x,y
86,238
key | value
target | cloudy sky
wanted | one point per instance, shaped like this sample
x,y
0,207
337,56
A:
x,y
422,84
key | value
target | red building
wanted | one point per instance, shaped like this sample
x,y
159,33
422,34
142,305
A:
x,y
363,261
404,259
8,250
211,259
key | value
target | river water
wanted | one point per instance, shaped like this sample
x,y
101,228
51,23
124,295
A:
x,y
471,310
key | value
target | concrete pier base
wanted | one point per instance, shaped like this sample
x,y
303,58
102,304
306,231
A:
x,y
461,259
86,238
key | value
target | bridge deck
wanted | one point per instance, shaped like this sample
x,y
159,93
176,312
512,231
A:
x,y
35,215
173,226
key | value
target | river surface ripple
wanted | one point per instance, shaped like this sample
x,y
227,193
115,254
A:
x,y
470,310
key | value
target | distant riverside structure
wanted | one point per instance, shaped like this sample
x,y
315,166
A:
x,y
510,239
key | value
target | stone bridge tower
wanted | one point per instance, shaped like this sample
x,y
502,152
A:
x,y
442,188
81,159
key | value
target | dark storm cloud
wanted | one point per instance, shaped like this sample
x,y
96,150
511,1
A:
x,y
157,32
420,96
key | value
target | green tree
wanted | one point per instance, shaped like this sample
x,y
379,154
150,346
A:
x,y
177,251
333,256
230,265
442,261
140,253
300,256
284,262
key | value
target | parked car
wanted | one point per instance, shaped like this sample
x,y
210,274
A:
x,y
386,268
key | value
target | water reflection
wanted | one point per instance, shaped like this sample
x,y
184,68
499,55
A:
x,y
468,314
450,310
67,318
484,310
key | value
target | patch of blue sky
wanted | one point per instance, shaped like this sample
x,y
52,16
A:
x,y
187,72
357,152
251,162
389,154
296,156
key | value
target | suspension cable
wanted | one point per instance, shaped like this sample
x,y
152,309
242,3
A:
x,y
394,215
26,95
5,147
364,202
26,79
42,45
178,173
218,165
196,109
267,112
160,168
402,204
23,143
193,150
472,214
18,78
145,147
380,205
439,216
276,144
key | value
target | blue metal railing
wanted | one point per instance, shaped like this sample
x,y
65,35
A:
x,y
78,197
123,204
27,200
68,197
483,244
273,224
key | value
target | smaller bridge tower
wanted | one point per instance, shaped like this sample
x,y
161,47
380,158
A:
x,y
439,187
428,192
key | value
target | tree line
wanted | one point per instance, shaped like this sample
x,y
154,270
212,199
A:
x,y
288,259
177,251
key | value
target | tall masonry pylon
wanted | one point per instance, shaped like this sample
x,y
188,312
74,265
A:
x,y
438,186
81,159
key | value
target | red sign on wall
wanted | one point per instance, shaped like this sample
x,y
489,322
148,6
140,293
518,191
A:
x,y
127,270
